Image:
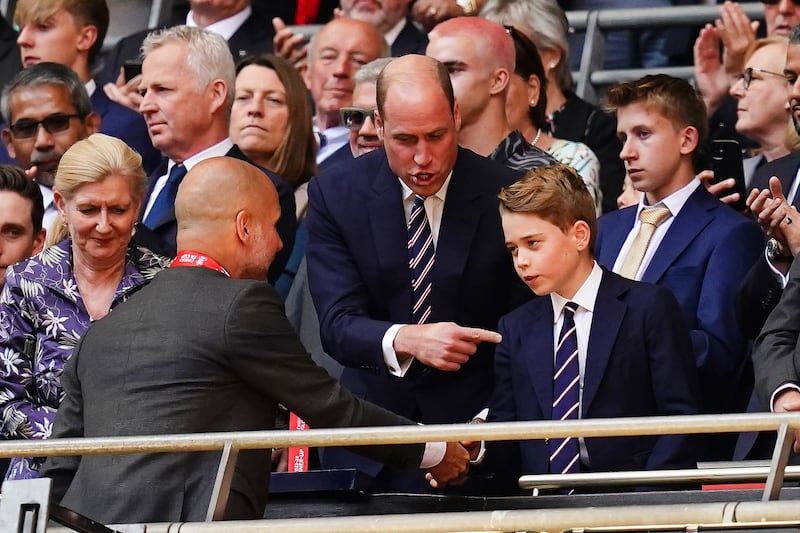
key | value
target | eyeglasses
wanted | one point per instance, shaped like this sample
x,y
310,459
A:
x,y
773,2
354,117
747,76
26,128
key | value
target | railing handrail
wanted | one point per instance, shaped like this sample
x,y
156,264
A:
x,y
625,18
599,427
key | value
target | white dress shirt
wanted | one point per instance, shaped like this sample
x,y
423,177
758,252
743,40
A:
x,y
225,27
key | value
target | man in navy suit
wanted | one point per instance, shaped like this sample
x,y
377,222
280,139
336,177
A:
x,y
701,249
631,353
187,80
72,33
436,369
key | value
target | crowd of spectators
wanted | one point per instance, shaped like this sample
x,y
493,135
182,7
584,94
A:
x,y
412,189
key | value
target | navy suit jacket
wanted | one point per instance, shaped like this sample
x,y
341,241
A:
x,y
760,291
410,40
638,363
705,254
126,124
162,238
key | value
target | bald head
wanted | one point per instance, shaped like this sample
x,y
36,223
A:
x,y
413,70
227,209
493,45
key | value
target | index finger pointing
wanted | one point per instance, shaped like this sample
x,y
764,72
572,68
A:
x,y
484,335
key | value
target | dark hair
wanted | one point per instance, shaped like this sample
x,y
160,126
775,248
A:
x,y
13,179
529,63
296,157
46,73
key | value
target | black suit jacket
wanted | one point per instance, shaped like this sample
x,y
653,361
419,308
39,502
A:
x,y
255,35
759,292
194,351
410,40
162,238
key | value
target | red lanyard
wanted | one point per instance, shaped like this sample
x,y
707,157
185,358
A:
x,y
190,258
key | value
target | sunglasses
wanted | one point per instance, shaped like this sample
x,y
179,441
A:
x,y
26,128
354,117
747,76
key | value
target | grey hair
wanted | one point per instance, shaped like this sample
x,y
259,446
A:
x,y
208,57
369,73
543,22
52,74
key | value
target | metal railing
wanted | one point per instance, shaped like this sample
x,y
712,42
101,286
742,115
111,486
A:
x,y
549,520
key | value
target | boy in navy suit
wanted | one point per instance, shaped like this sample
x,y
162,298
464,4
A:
x,y
681,237
596,345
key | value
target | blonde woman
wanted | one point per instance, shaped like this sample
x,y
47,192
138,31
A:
x,y
50,300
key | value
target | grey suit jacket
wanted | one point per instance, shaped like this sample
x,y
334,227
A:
x,y
194,351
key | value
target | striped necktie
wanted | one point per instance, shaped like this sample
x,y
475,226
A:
x,y
420,260
564,452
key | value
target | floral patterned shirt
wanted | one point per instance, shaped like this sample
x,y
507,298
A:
x,y
42,317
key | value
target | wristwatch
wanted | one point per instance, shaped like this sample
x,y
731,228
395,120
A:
x,y
775,253
470,7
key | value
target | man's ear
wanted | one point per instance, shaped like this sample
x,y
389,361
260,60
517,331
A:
x,y
6,136
689,140
86,38
38,241
92,123
219,94
243,221
379,125
500,81
457,116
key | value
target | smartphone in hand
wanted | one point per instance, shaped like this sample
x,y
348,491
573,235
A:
x,y
726,161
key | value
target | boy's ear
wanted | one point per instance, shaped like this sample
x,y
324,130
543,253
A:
x,y
582,235
689,140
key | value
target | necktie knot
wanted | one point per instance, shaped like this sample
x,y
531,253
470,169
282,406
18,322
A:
x,y
176,174
569,309
654,215
419,201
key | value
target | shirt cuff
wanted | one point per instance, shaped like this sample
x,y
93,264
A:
x,y
779,276
779,390
390,356
434,453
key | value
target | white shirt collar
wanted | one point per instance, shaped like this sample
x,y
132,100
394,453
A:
x,y
585,297
225,27
91,86
674,201
440,194
391,35
217,150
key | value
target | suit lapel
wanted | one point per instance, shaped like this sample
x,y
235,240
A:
x,y
538,338
611,311
390,235
614,236
691,220
462,213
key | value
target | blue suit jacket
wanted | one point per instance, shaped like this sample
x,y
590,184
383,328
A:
x,y
360,282
410,40
126,124
161,239
704,256
639,363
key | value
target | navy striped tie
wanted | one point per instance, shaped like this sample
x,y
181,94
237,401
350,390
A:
x,y
420,260
565,453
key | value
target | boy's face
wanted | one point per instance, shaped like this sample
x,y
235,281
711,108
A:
x,y
546,258
57,39
657,154
17,239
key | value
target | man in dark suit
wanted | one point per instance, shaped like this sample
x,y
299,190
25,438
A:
x,y
700,248
245,27
81,28
631,354
187,81
393,20
175,359
432,361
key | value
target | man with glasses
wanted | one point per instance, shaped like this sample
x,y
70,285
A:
x,y
48,110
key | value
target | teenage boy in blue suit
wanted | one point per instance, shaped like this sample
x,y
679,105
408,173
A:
x,y
632,345
701,251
